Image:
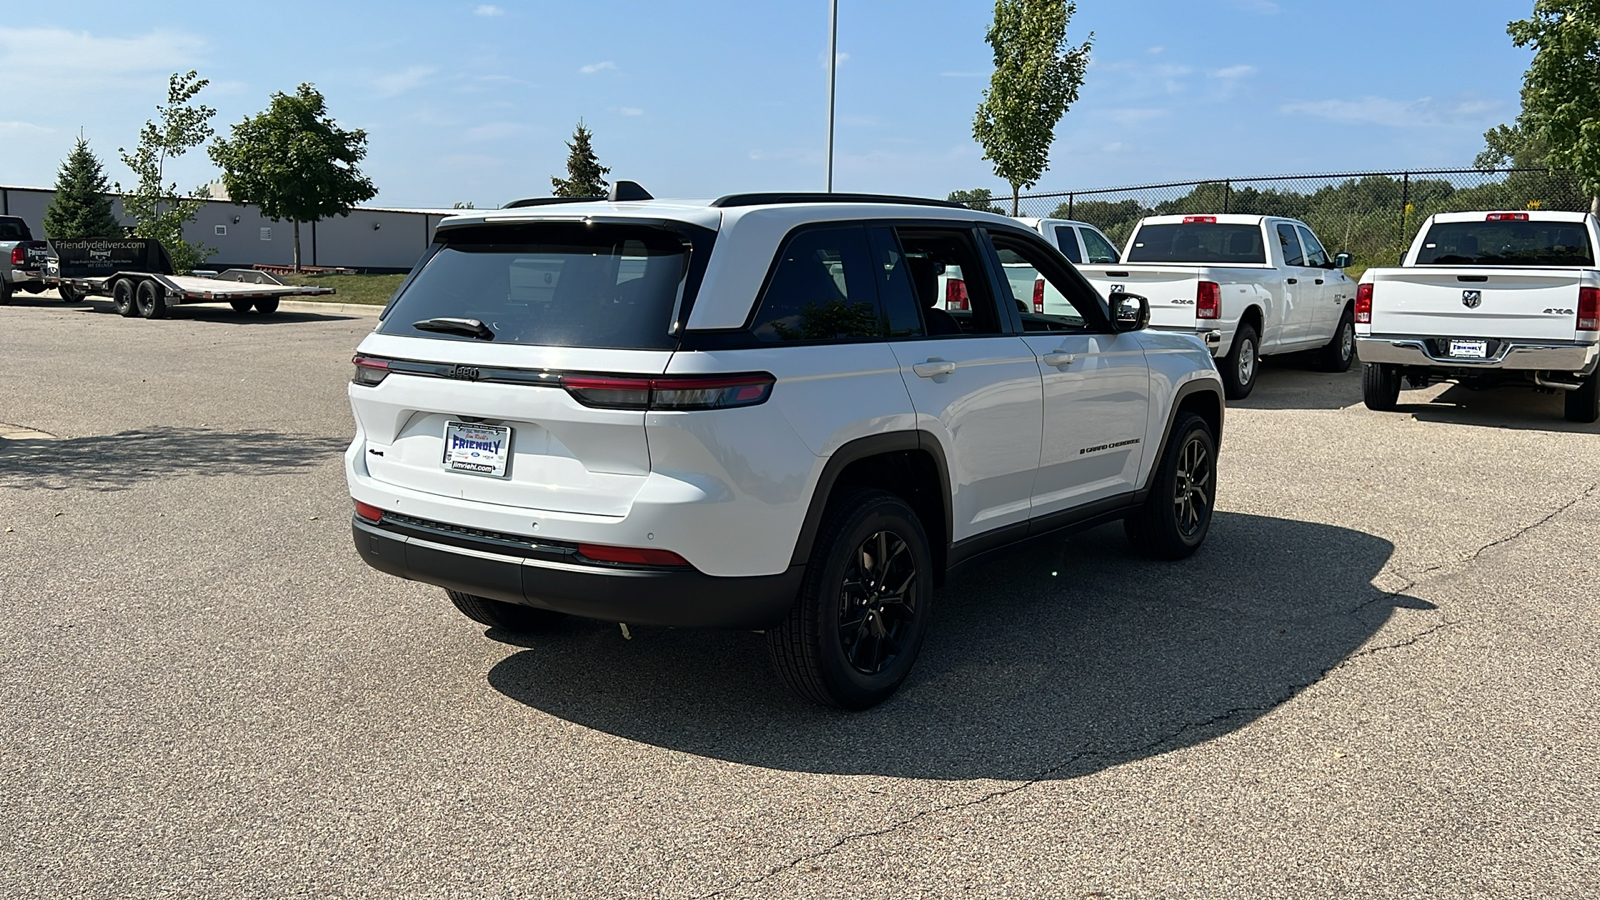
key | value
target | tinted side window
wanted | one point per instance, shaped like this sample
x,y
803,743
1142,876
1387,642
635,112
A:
x,y
1067,240
1100,249
1290,244
821,290
948,276
1052,302
1315,255
896,296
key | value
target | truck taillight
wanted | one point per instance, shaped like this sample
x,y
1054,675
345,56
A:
x,y
18,256
670,392
1589,309
369,370
1038,295
1199,220
1506,217
955,294
1208,301
1364,303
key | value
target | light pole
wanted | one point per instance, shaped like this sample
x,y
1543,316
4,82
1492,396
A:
x,y
833,65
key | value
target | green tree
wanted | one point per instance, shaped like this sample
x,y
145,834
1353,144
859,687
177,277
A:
x,y
1561,89
294,162
977,198
585,175
157,209
82,205
1036,78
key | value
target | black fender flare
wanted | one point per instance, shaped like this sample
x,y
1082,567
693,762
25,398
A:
x,y
1184,392
863,448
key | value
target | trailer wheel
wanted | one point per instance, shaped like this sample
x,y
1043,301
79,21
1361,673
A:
x,y
122,298
241,306
69,294
267,305
152,299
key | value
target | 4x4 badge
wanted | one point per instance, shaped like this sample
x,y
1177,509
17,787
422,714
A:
x,y
1471,299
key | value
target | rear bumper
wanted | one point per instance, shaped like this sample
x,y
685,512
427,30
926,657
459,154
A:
x,y
679,597
1542,356
1211,337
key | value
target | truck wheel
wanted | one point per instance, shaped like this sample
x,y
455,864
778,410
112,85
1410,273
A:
x,y
499,614
1583,404
1174,521
1238,368
122,298
152,300
1341,349
5,292
1380,386
69,294
267,305
241,306
854,631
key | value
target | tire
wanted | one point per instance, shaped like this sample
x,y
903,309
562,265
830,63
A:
x,y
1243,362
241,306
267,305
122,291
842,645
1583,404
510,616
152,300
5,292
1341,349
69,294
1176,517
32,287
1380,386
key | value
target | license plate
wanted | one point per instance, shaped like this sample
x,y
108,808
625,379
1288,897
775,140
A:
x,y
477,449
1469,349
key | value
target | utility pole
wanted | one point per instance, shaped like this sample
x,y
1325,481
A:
x,y
833,65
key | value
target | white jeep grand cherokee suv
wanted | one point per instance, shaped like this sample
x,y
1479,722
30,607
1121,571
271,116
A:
x,y
753,413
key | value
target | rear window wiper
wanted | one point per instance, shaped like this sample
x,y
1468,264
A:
x,y
471,328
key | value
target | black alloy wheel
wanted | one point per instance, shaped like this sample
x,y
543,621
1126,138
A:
x,y
862,614
122,298
152,300
5,292
1174,521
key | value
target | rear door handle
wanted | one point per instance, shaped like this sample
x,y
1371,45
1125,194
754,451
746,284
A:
x,y
1291,281
1319,281
933,368
1060,360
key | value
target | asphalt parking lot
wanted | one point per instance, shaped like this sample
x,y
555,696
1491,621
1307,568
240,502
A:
x,y
1379,678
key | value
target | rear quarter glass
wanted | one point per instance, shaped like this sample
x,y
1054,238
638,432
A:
x,y
561,284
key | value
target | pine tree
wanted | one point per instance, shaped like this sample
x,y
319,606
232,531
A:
x,y
82,205
585,175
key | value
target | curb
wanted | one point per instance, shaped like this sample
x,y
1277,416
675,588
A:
x,y
358,309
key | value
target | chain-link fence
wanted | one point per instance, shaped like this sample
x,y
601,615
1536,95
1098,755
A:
x,y
1373,215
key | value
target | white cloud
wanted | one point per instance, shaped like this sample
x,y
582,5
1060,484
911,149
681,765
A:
x,y
1424,113
1156,51
35,58
631,111
488,9
493,131
1232,72
396,83
592,68
1135,115
25,126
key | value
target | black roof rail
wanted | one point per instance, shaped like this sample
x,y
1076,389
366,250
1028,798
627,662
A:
x,y
548,201
732,200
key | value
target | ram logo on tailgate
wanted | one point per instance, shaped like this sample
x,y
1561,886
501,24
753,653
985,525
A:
x,y
1471,299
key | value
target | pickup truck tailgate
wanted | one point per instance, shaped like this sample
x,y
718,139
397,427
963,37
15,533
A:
x,y
1517,303
1170,290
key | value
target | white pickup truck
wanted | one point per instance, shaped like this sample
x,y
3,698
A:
x,y
1253,285
1484,299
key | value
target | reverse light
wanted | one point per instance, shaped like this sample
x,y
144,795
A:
x,y
670,392
955,294
1506,217
369,371
368,512
1208,300
1589,309
633,556
1364,303
1038,295
1199,220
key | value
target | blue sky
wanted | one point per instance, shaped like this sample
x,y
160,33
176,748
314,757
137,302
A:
x,y
695,98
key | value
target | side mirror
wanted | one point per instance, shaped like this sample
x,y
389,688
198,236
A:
x,y
1129,312
1343,260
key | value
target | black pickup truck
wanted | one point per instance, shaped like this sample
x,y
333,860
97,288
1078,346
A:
x,y
22,259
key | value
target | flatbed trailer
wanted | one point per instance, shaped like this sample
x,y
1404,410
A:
x,y
137,275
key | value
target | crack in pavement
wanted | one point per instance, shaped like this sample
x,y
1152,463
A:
x,y
1289,693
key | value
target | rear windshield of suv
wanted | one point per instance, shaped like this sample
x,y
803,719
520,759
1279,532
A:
x,y
615,286
1506,244
1198,242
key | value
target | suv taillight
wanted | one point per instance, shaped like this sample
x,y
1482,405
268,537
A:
x,y
670,392
1038,295
1364,303
369,371
368,512
1208,301
18,256
632,556
1589,309
955,294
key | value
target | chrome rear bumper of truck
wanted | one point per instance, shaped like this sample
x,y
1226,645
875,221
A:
x,y
1432,352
